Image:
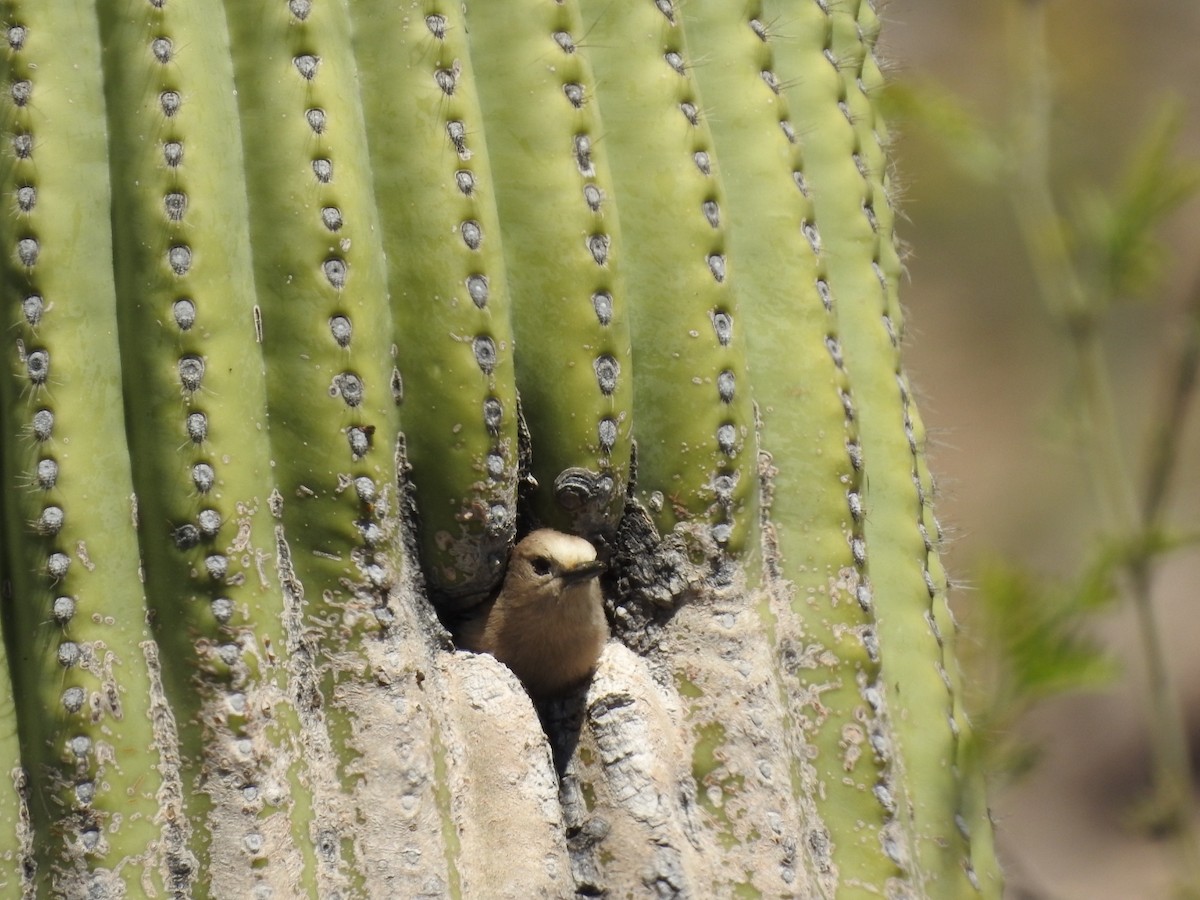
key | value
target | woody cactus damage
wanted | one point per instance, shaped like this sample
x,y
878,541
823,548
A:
x,y
313,307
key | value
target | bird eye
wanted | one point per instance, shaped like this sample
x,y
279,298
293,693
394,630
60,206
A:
x,y
541,565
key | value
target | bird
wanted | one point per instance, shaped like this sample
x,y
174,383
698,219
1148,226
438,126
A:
x,y
547,622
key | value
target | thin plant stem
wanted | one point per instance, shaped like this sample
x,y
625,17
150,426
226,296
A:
x,y
1061,287
1167,435
1167,438
1059,283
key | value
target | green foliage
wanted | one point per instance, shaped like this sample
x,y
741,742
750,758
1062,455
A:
x,y
969,144
1116,229
1113,230
1033,644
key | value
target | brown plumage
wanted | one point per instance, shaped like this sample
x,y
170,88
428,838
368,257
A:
x,y
547,623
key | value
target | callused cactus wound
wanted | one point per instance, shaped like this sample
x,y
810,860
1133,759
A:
x,y
349,387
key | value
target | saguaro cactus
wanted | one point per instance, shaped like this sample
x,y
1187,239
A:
x,y
313,306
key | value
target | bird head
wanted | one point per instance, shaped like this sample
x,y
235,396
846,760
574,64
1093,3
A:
x,y
548,565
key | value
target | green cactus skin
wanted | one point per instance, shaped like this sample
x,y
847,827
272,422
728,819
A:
x,y
183,271
290,717
78,664
823,625
675,265
333,406
847,170
449,292
332,385
562,245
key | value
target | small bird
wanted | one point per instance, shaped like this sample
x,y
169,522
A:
x,y
547,623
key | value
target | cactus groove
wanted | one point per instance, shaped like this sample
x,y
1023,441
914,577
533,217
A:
x,y
313,307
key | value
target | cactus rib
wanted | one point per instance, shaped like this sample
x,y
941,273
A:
x,y
822,617
74,609
847,170
562,248
449,298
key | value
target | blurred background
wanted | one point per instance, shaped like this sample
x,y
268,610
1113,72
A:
x,y
995,392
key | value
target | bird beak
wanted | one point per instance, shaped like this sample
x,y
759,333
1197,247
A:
x,y
583,572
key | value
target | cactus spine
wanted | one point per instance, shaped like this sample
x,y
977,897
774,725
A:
x,y
313,306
